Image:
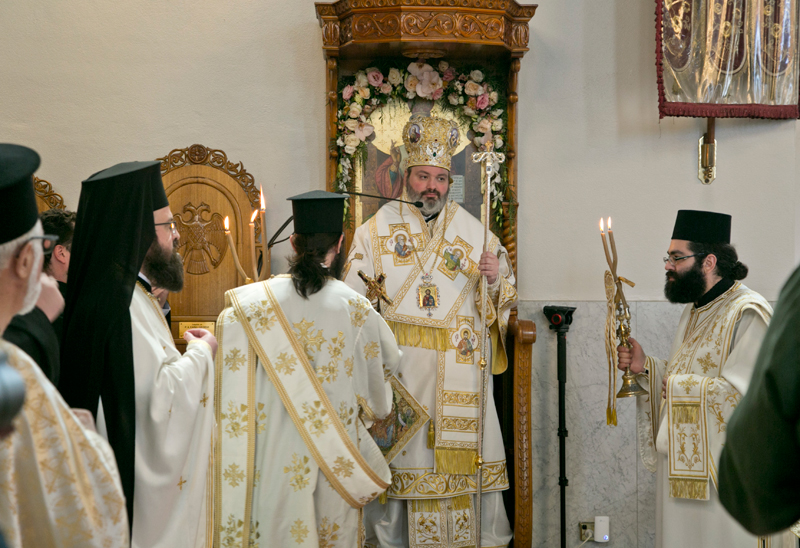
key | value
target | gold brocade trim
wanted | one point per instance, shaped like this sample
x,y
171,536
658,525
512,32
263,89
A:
x,y
218,366
431,436
685,488
461,502
422,483
460,424
251,438
686,413
460,399
455,461
420,336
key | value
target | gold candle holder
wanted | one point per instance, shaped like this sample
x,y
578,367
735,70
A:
x,y
235,255
266,267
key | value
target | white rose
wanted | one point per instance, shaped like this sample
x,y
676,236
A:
x,y
411,83
349,150
363,92
351,124
493,98
429,82
472,88
483,126
497,113
453,98
476,75
355,110
361,79
468,112
418,69
498,141
443,66
411,94
395,78
459,86
497,124
351,140
340,141
460,99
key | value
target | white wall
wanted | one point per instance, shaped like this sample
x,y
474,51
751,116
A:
x,y
92,83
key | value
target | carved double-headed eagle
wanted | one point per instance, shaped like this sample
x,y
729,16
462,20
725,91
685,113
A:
x,y
202,239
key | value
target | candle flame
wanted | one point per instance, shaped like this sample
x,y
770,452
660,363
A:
x,y
263,204
226,224
609,223
253,216
601,225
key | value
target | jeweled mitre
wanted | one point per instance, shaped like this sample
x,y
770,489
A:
x,y
430,141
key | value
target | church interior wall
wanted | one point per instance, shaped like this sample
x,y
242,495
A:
x,y
90,84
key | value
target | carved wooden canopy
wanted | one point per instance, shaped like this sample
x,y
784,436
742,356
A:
x,y
369,28
46,197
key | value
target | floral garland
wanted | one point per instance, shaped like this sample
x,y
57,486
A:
x,y
469,95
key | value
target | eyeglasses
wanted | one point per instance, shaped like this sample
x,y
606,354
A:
x,y
173,226
674,260
49,242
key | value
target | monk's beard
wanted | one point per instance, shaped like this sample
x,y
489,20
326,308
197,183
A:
x,y
688,287
164,269
430,204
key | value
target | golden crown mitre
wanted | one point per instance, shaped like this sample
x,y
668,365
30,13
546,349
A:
x,y
430,141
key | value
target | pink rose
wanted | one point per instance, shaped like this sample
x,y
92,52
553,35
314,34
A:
x,y
347,92
449,75
482,102
484,126
375,78
437,94
386,87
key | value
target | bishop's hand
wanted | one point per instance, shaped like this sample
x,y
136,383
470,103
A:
x,y
489,266
632,357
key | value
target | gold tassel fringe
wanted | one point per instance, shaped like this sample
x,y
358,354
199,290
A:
x,y
431,436
686,413
425,505
611,416
419,336
455,461
383,498
460,502
685,488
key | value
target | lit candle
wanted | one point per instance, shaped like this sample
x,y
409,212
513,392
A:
x,y
233,252
253,243
605,245
265,267
613,246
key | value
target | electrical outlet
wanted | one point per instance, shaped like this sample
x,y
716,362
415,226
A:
x,y
586,530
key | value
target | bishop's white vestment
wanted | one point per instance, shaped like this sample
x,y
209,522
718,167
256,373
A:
x,y
433,281
681,438
59,484
174,419
299,381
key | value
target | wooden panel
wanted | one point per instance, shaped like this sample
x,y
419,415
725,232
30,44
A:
x,y
200,196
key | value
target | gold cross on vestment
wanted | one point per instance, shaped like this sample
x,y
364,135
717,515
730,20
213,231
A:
x,y
204,400
180,483
376,287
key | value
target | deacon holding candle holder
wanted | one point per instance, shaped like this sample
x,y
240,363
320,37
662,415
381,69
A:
x,y
682,420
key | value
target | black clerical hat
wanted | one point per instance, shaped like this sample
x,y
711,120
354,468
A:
x,y
17,200
318,211
703,227
137,170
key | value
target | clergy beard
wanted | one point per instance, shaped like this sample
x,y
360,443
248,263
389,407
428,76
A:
x,y
164,269
430,205
687,287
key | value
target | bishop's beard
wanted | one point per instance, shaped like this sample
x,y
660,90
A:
x,y
688,287
163,268
430,205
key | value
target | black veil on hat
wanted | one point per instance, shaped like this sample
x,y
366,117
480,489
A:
x,y
17,200
703,227
114,229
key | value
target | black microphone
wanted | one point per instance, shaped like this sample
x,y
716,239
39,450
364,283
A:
x,y
415,204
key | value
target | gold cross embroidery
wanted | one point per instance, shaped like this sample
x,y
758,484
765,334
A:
x,y
180,483
204,400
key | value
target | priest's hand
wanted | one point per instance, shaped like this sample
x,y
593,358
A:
x,y
51,302
85,417
202,335
489,266
633,357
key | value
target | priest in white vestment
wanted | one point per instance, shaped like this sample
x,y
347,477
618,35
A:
x,y
434,286
59,484
302,372
682,421
154,403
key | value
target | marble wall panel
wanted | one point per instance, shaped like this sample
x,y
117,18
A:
x,y
603,467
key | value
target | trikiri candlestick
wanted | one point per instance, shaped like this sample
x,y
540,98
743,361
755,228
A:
x,y
265,254
618,323
232,247
254,263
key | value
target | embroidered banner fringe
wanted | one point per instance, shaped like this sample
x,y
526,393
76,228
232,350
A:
x,y
425,505
686,413
419,336
685,488
461,502
455,461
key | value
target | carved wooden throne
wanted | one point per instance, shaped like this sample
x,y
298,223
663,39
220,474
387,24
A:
x,y
46,197
203,187
358,33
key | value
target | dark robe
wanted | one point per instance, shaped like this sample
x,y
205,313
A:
x,y
34,334
759,478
